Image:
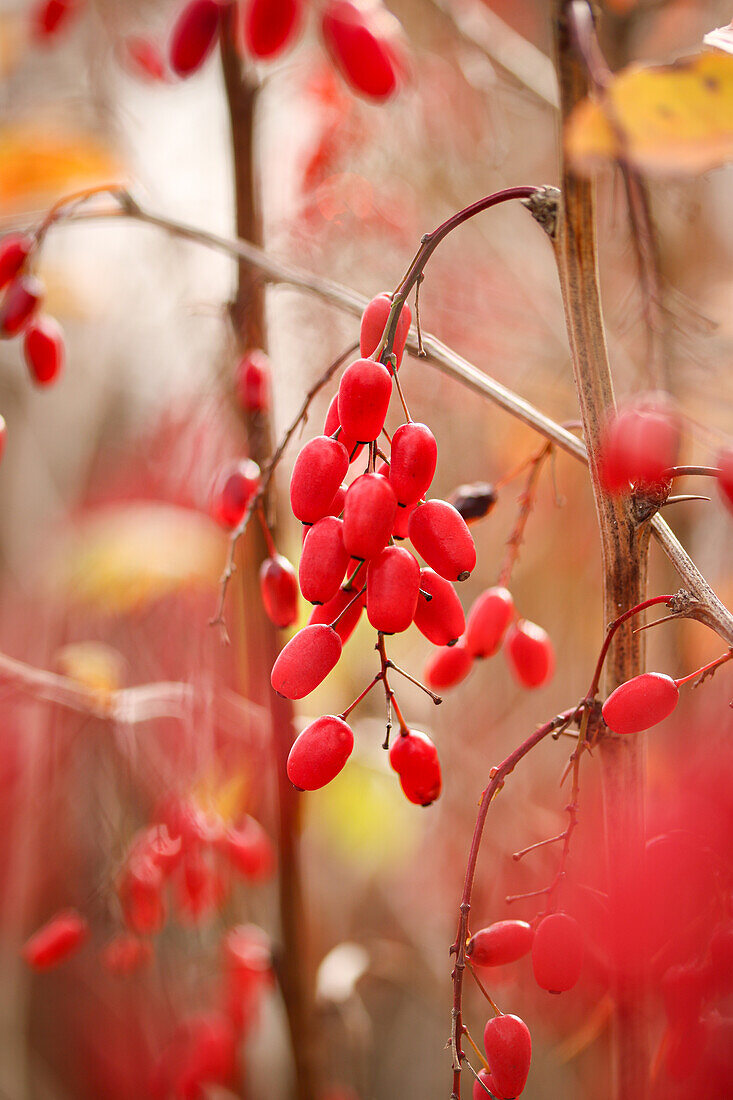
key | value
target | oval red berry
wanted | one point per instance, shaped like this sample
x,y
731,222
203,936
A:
x,y
640,703
529,654
557,952
441,537
500,943
488,621
508,1046
319,753
306,661
279,588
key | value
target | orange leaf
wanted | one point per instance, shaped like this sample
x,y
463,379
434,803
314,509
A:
x,y
39,164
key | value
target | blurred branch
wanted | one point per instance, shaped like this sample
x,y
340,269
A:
x,y
505,48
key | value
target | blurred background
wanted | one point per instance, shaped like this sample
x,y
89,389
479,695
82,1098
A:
x,y
110,559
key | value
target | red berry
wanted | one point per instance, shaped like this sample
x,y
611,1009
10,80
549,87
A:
x,y
194,36
143,57
360,39
415,759
725,477
330,611
447,667
488,621
157,845
21,301
306,661
413,459
319,470
337,504
279,588
363,399
393,582
440,619
480,1093
557,952
43,344
530,654
323,561
249,849
56,940
252,381
441,537
319,753
51,16
508,1046
200,889
370,509
140,890
15,248
402,522
233,490
639,445
374,321
640,703
125,953
270,25
333,422
500,943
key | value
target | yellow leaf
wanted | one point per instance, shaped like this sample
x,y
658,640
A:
x,y
41,163
668,120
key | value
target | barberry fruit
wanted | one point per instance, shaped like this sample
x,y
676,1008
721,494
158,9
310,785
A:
x,y
306,661
441,537
640,703
319,753
557,952
529,653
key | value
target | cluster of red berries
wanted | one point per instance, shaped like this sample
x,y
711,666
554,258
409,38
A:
x,y
491,624
556,944
43,341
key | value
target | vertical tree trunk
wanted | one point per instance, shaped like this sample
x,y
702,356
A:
x,y
262,642
624,547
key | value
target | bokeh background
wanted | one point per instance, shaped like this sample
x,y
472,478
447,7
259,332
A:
x,y
106,541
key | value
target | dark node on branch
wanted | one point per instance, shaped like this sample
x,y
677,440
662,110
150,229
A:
x,y
646,500
474,501
544,206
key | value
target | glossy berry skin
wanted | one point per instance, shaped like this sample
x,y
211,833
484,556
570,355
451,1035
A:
x,y
441,537
15,248
235,486
480,1093
557,952
358,36
393,583
488,621
639,446
56,941
328,612
279,588
323,561
500,943
319,753
270,26
413,459
508,1047
306,661
317,475
252,381
51,16
725,477
441,619
125,954
415,759
143,58
373,322
529,654
22,299
447,667
640,703
402,522
370,509
43,347
194,36
331,425
363,399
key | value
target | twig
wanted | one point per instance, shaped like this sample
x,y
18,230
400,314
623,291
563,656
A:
x,y
526,503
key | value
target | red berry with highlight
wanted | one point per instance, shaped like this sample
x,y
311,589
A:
x,y
140,890
319,470
370,509
500,943
447,667
508,1047
529,653
15,248
252,381
319,753
488,621
194,36
413,459
639,446
22,299
51,16
557,952
363,399
269,26
373,322
441,618
415,759
56,941
43,346
441,537
480,1093
279,588
323,561
233,490
640,703
249,850
393,583
306,661
360,38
